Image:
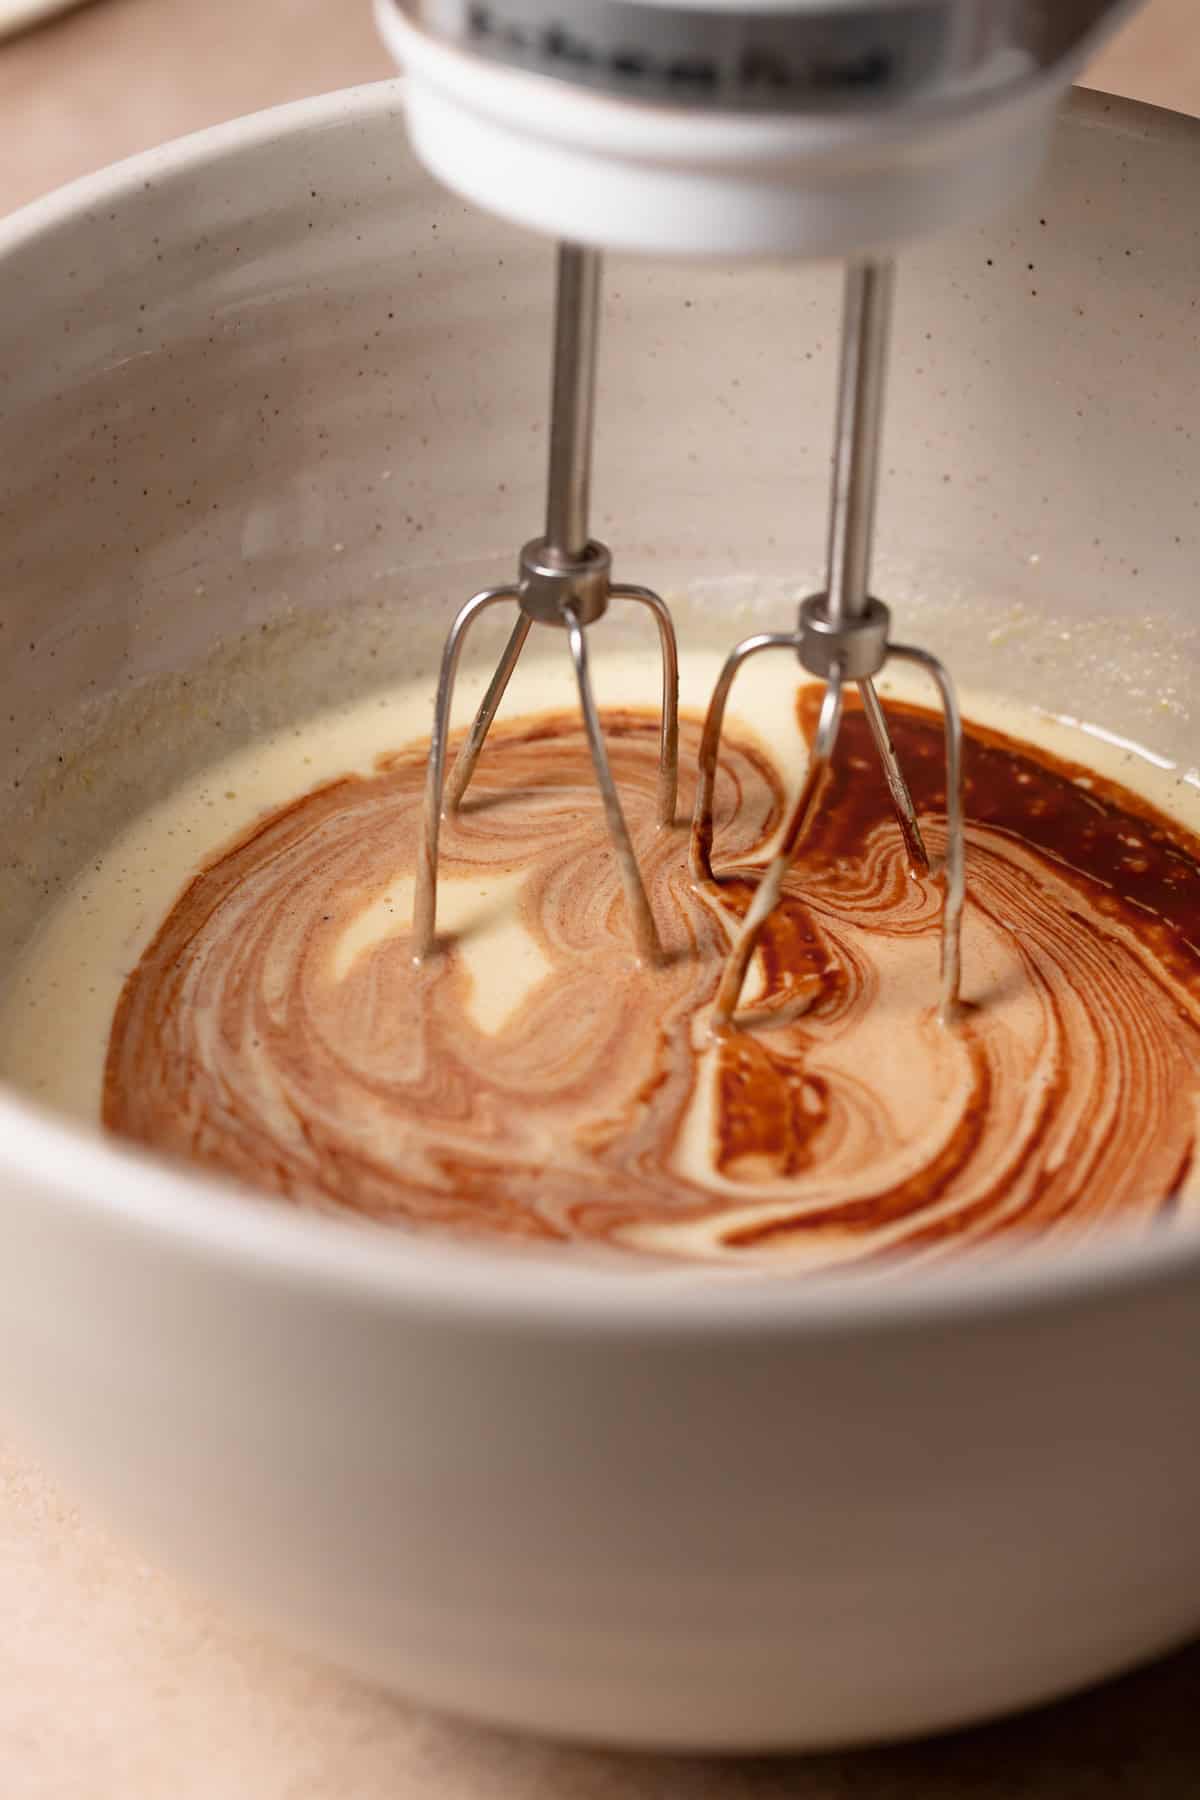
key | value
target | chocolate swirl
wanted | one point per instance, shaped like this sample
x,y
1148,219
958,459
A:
x,y
276,1029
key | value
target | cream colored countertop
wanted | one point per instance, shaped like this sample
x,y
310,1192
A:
x,y
117,1684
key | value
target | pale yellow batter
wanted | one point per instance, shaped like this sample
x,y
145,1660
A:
x,y
57,1009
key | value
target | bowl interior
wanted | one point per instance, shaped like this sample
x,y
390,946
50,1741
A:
x,y
280,405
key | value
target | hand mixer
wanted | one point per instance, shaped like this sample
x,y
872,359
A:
x,y
810,128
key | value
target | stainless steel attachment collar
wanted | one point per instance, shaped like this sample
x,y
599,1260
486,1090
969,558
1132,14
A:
x,y
855,647
551,587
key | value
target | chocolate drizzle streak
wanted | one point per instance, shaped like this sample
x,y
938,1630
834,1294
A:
x,y
842,1125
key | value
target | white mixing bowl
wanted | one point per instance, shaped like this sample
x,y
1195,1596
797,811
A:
x,y
268,395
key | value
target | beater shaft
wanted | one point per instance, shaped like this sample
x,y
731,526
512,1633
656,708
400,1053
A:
x,y
573,403
862,378
867,304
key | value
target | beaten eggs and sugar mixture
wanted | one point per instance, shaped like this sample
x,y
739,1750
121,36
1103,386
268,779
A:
x,y
233,984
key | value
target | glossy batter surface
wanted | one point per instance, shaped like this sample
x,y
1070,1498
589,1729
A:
x,y
533,1083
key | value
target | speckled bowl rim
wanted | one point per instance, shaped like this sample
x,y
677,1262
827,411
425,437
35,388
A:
x,y
170,1209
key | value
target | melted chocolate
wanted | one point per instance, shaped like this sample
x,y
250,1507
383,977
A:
x,y
841,1124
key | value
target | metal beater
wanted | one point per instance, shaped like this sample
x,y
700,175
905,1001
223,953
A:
x,y
564,581
841,636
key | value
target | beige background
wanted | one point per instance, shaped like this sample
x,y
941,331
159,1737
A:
x,y
114,1683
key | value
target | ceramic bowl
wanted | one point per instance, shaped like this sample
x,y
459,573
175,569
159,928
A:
x,y
268,396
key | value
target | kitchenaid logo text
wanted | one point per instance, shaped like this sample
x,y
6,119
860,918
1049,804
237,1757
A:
x,y
751,72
